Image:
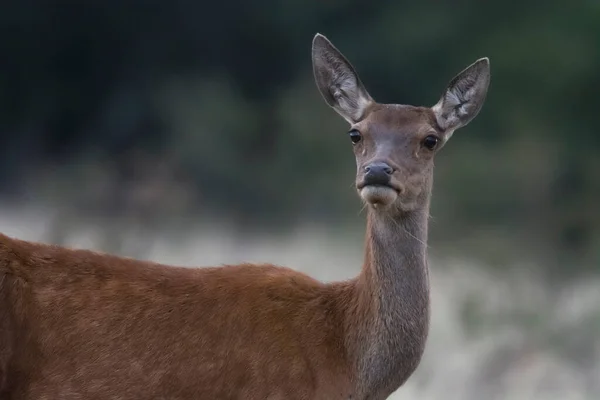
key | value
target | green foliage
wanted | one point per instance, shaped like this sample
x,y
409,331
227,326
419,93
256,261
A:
x,y
225,93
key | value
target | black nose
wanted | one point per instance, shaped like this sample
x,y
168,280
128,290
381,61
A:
x,y
378,173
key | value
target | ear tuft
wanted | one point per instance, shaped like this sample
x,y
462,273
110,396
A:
x,y
464,96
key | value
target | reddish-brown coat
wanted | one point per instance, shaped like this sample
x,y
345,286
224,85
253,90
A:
x,y
79,324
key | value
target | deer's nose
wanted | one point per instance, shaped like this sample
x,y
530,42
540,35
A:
x,y
378,173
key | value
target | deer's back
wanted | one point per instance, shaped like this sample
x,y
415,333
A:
x,y
78,324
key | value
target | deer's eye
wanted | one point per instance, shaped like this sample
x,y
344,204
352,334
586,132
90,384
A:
x,y
430,142
355,136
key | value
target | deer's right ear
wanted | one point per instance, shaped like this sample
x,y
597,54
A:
x,y
338,82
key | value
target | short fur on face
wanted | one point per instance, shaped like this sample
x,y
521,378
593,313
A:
x,y
400,136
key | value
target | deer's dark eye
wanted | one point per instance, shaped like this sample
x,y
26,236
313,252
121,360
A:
x,y
430,142
355,136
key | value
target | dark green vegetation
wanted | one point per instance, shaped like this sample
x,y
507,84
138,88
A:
x,y
216,101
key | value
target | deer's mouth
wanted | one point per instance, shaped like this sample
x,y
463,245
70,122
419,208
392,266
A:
x,y
378,194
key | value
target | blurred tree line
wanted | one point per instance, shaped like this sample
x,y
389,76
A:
x,y
208,108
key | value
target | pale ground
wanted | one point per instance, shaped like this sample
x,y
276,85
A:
x,y
499,336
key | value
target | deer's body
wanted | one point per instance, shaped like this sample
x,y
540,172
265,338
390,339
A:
x,y
75,324
78,324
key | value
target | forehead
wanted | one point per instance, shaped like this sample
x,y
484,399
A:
x,y
398,118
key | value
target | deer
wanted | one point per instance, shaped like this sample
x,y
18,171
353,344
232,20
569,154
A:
x,y
81,324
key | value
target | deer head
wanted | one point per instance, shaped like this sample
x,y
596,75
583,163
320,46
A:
x,y
395,144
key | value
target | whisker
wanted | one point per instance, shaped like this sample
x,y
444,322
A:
x,y
407,232
362,208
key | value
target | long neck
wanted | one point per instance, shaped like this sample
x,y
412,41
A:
x,y
393,295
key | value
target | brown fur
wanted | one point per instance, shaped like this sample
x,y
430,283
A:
x,y
77,324
108,327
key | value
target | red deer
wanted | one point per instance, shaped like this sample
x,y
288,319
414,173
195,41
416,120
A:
x,y
77,324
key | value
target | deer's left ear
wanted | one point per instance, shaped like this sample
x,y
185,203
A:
x,y
464,96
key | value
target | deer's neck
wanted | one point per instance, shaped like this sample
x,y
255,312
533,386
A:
x,y
393,293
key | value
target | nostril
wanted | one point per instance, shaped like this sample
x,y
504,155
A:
x,y
378,173
379,168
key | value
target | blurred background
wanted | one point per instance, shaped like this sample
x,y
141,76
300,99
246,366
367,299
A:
x,y
192,133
